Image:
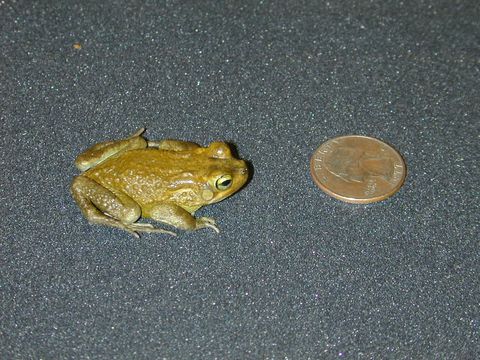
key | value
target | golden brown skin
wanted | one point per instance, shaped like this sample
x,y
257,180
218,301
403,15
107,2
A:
x,y
166,181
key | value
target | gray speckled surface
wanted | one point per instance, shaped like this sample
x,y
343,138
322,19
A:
x,y
294,273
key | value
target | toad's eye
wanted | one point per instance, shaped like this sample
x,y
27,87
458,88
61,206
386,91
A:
x,y
223,182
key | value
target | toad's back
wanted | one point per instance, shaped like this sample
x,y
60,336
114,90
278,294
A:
x,y
149,175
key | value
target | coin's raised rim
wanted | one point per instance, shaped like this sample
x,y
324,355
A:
x,y
351,200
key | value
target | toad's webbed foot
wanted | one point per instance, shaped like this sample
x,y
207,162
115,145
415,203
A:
x,y
136,228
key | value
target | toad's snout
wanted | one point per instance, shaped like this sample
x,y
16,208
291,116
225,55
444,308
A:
x,y
243,171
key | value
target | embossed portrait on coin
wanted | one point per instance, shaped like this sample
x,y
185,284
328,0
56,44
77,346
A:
x,y
355,165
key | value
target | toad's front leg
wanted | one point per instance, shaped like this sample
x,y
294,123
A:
x,y
180,218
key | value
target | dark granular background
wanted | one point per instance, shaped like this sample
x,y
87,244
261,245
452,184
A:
x,y
294,273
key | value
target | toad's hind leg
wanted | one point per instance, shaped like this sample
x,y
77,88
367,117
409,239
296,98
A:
x,y
99,152
101,206
173,145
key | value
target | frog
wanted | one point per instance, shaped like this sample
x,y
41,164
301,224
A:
x,y
167,181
